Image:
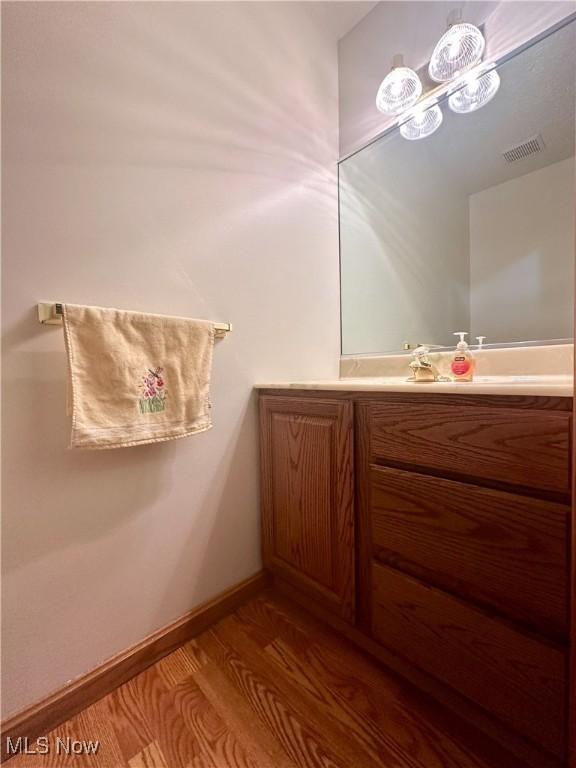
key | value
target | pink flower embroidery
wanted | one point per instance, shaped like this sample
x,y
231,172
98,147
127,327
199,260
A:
x,y
153,394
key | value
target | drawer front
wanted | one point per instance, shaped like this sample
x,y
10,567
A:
x,y
512,675
498,549
516,446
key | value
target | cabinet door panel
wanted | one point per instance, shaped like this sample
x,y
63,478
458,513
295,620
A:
x,y
307,514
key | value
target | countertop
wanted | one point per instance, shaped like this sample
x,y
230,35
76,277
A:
x,y
557,386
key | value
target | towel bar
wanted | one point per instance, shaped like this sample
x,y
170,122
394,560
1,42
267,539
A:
x,y
50,313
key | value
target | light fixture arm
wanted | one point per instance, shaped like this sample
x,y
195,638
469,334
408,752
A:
x,y
454,17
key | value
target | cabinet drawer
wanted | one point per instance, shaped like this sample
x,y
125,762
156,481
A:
x,y
515,446
512,675
499,549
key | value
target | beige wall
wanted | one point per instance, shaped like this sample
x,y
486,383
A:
x,y
175,158
412,28
522,257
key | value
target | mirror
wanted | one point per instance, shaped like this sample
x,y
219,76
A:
x,y
472,228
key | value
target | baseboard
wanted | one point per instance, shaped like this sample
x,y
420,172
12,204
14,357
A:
x,y
40,718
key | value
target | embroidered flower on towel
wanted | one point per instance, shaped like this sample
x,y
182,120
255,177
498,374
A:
x,y
152,392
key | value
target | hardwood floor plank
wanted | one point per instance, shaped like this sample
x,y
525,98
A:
x,y
181,665
178,745
379,729
132,731
300,741
318,717
270,687
379,745
197,659
265,620
258,741
96,725
150,757
218,744
394,707
338,702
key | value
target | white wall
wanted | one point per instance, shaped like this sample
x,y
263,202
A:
x,y
522,256
413,28
173,158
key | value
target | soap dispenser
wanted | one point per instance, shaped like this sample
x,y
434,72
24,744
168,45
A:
x,y
463,363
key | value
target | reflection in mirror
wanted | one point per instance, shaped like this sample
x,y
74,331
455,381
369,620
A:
x,y
472,228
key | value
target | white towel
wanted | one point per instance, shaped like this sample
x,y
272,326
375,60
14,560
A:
x,y
136,378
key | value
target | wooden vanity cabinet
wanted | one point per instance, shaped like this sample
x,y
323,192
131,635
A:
x,y
459,542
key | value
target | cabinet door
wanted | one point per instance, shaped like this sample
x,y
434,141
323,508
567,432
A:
x,y
307,496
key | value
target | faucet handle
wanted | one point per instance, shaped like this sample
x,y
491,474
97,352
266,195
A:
x,y
480,340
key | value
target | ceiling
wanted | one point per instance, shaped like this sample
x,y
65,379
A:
x,y
338,17
348,14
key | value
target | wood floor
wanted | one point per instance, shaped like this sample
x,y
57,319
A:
x,y
269,687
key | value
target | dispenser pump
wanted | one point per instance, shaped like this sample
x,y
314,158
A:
x,y
462,344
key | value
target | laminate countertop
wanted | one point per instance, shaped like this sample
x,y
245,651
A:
x,y
557,386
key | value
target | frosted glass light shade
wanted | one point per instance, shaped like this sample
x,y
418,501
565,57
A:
x,y
476,93
422,123
458,49
400,89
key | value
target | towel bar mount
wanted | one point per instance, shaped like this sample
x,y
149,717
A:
x,y
50,313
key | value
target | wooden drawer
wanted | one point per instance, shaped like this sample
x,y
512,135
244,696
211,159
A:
x,y
499,549
512,675
514,446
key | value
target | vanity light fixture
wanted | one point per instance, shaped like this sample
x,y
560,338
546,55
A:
x,y
421,122
478,88
459,48
400,89
456,65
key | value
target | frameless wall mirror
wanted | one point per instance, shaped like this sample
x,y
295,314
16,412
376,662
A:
x,y
472,227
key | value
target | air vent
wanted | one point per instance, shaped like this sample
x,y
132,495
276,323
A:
x,y
527,148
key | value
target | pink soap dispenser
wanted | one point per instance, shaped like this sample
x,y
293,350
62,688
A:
x,y
463,363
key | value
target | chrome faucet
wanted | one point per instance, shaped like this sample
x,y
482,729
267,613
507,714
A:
x,y
407,346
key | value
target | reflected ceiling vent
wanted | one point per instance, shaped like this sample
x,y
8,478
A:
x,y
527,148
